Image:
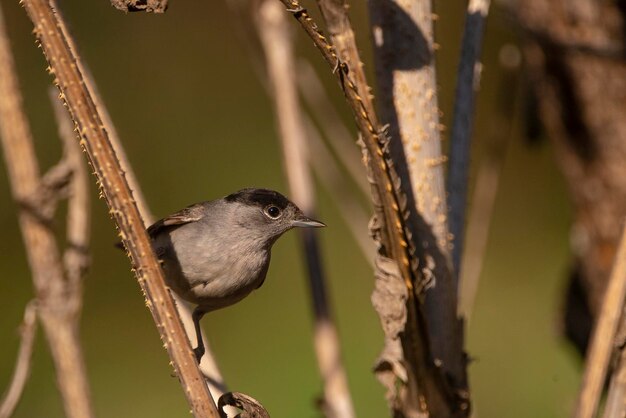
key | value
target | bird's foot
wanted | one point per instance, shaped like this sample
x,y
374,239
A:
x,y
199,352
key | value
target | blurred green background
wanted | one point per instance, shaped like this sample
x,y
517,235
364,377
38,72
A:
x,y
197,125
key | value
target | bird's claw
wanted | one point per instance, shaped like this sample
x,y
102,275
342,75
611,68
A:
x,y
337,66
199,352
298,10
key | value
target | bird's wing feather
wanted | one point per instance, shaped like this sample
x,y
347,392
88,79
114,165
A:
x,y
190,214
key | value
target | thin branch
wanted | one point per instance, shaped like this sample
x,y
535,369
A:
x,y
602,343
64,63
488,179
76,256
335,14
58,305
468,82
23,362
276,42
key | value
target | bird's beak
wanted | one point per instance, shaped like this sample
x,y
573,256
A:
x,y
305,222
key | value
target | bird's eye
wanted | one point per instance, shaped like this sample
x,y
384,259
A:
x,y
272,211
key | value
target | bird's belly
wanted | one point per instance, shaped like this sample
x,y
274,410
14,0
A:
x,y
215,282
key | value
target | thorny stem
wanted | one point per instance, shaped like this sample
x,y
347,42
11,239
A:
x,y
425,381
392,208
208,365
66,66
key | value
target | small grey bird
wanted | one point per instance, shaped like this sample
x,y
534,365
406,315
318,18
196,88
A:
x,y
215,253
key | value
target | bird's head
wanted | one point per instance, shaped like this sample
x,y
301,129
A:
x,y
268,212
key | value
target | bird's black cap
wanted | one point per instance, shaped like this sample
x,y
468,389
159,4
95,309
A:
x,y
258,197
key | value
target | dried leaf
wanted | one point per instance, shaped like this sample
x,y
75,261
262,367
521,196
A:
x,y
389,299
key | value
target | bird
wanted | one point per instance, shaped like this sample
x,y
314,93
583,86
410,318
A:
x,y
215,253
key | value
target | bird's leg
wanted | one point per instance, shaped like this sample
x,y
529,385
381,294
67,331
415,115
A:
x,y
197,315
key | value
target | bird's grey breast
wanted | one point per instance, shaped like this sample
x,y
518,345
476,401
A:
x,y
215,259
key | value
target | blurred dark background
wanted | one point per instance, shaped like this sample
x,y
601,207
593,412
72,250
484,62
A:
x,y
196,124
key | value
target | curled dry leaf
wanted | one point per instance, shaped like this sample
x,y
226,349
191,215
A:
x,y
389,299
149,6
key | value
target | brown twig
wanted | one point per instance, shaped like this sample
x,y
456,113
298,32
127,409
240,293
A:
x,y
64,63
58,300
275,39
22,363
468,81
603,340
335,14
76,256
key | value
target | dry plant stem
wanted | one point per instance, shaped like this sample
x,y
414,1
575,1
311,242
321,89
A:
x,y
335,14
404,52
488,179
275,39
23,362
66,66
58,299
428,390
603,340
76,256
468,79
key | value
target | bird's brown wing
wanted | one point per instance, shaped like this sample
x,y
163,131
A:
x,y
191,213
